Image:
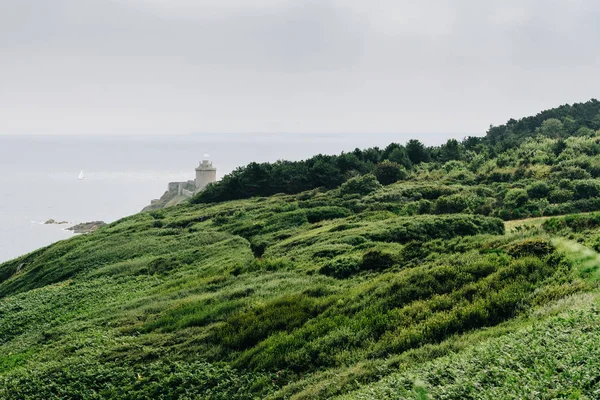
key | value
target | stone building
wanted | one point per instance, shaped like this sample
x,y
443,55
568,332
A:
x,y
178,192
205,174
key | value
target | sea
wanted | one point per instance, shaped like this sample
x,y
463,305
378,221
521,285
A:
x,y
39,175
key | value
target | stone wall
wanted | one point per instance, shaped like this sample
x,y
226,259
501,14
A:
x,y
180,187
187,193
175,186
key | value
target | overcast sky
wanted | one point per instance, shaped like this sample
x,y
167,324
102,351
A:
x,y
182,66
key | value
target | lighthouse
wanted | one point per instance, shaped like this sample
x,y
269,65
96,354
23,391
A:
x,y
205,173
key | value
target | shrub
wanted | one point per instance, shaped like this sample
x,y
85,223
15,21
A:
x,y
329,252
286,220
531,247
185,222
258,249
168,232
454,203
425,228
538,190
499,175
377,260
362,185
342,267
573,173
414,251
430,192
326,213
159,266
560,196
285,313
354,240
343,227
586,189
424,206
575,222
515,198
389,172
157,214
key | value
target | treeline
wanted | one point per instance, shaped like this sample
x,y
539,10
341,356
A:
x,y
328,171
567,120
502,144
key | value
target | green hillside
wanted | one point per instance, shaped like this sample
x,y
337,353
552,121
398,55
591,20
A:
x,y
467,270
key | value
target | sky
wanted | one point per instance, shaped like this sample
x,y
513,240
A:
x,y
424,67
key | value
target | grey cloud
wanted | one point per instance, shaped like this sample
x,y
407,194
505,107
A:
x,y
157,66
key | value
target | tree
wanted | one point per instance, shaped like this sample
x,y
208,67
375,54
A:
x,y
451,151
371,154
584,131
552,127
325,173
472,142
349,163
389,172
399,155
257,179
417,152
570,125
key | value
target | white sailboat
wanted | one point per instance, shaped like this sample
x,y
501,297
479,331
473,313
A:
x,y
81,176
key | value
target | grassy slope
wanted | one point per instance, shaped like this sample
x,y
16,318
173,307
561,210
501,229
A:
x,y
554,358
182,303
552,355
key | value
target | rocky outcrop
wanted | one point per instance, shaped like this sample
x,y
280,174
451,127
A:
x,y
170,198
87,227
54,222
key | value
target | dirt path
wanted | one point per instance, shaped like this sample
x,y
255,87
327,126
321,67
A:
x,y
509,225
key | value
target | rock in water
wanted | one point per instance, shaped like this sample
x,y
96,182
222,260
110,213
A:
x,y
53,221
87,227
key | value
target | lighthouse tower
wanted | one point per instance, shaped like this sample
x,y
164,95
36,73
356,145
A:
x,y
205,174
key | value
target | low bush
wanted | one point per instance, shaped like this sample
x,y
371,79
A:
x,y
376,260
586,189
424,228
318,214
342,267
414,251
285,313
538,190
516,198
531,247
454,203
285,220
160,266
389,172
576,223
362,185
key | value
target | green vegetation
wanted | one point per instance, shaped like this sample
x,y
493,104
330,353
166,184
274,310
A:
x,y
374,274
542,165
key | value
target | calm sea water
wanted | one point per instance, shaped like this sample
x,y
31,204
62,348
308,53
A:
x,y
39,174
